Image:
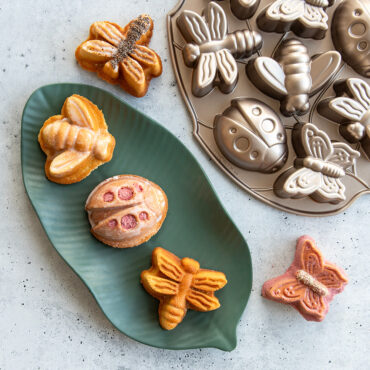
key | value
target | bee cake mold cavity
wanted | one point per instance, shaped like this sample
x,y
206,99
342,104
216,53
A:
x,y
292,76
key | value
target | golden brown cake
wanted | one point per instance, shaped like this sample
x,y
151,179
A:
x,y
75,142
179,285
126,211
121,55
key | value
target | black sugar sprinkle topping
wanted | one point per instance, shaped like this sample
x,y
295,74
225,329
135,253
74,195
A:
x,y
137,28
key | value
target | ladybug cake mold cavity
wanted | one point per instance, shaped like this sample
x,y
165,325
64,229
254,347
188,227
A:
x,y
251,135
244,9
309,284
350,31
126,210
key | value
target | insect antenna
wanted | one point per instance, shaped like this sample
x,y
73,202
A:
x,y
282,38
296,118
361,181
204,124
323,91
177,46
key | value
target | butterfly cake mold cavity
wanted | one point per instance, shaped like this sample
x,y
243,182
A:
x,y
309,284
251,136
350,31
121,55
212,51
351,109
75,142
244,9
306,18
292,76
179,285
126,210
318,168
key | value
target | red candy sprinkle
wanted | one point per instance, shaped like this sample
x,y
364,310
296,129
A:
x,y
128,222
125,193
143,216
138,188
112,223
108,196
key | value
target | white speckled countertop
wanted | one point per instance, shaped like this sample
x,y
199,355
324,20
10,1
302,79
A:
x,y
48,318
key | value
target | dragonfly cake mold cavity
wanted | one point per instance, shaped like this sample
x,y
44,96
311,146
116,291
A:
x,y
212,51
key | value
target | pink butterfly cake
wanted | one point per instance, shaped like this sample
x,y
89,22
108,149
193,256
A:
x,y
309,284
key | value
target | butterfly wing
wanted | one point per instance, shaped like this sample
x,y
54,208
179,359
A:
x,y
331,190
315,143
217,22
312,306
309,257
228,70
268,76
193,27
285,290
168,264
314,17
297,183
343,155
66,162
285,10
332,277
204,74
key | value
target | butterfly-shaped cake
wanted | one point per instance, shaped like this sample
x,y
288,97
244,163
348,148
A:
x,y
351,109
179,285
211,50
318,168
309,284
121,55
306,18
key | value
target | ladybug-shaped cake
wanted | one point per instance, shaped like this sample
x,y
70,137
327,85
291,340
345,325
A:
x,y
126,211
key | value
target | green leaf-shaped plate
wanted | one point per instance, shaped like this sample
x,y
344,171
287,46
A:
x,y
196,226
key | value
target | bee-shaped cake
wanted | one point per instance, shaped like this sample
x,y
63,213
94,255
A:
x,y
126,211
76,141
179,285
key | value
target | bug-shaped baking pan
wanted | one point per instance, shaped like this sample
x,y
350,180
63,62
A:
x,y
216,106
